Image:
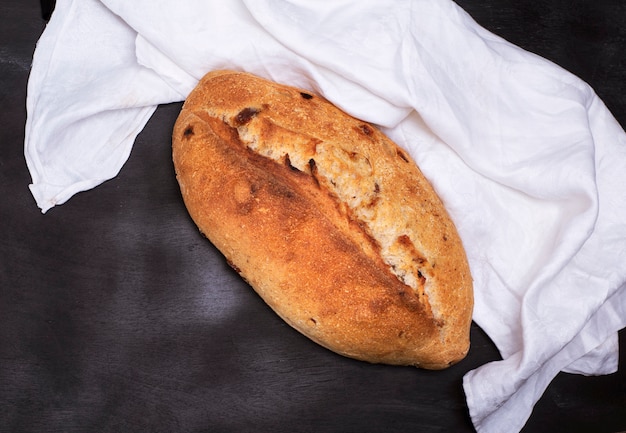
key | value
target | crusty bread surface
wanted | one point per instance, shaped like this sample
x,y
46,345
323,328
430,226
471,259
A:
x,y
330,222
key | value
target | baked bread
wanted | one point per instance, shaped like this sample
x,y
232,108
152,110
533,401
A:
x,y
332,224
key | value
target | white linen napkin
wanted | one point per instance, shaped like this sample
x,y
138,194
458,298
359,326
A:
x,y
528,160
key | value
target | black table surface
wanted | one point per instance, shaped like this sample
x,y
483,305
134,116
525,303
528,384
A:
x,y
117,316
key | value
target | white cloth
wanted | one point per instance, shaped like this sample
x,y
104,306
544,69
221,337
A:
x,y
528,160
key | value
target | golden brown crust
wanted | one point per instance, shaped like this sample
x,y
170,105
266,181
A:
x,y
329,221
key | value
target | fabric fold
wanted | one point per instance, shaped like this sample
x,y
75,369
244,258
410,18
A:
x,y
87,100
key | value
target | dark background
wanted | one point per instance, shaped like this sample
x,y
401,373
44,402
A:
x,y
117,316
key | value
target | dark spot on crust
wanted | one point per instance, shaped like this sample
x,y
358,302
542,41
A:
x,y
367,130
421,277
410,300
373,202
288,163
313,321
277,189
233,266
313,168
306,95
188,131
405,240
245,115
376,188
419,260
402,155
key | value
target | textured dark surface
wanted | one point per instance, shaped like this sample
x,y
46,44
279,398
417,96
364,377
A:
x,y
117,316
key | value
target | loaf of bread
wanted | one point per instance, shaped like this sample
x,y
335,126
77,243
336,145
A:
x,y
330,222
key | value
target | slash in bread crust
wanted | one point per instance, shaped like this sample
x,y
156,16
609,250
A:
x,y
330,222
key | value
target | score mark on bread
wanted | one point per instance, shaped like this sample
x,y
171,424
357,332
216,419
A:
x,y
330,222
